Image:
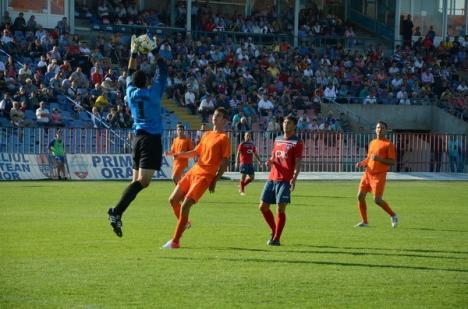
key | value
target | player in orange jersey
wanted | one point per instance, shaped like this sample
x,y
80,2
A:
x,y
213,153
380,156
180,144
246,151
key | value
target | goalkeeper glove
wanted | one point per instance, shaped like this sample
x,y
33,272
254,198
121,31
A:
x,y
133,45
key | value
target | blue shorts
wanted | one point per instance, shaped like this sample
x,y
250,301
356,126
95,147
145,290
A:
x,y
247,169
276,192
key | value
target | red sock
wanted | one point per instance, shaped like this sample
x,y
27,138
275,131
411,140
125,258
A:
x,y
280,223
242,185
180,228
387,208
176,210
247,181
363,211
268,215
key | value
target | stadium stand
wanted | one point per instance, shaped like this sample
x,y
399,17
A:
x,y
295,79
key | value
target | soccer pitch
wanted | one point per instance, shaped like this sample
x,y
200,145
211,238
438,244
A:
x,y
57,249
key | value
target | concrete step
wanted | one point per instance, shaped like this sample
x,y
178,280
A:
x,y
182,113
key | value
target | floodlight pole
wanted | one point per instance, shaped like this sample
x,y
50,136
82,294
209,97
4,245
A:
x,y
172,10
189,17
397,38
297,6
443,35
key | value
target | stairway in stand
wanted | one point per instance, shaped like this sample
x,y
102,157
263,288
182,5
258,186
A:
x,y
192,121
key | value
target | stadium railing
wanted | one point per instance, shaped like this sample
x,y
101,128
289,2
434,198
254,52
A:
x,y
323,151
317,41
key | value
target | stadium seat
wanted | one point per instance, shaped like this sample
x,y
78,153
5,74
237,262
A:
x,y
30,114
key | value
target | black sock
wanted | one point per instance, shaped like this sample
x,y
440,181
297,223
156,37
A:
x,y
127,197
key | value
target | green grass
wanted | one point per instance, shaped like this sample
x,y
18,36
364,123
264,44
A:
x,y
58,251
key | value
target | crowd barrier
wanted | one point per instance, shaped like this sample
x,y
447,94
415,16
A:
x,y
106,154
317,41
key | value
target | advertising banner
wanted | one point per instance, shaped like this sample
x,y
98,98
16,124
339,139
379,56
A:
x,y
109,167
18,166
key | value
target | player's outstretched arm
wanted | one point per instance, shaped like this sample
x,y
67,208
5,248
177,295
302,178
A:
x,y
132,61
185,154
362,163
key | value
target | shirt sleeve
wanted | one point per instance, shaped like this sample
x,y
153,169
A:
x,y
161,82
198,149
129,80
173,146
391,152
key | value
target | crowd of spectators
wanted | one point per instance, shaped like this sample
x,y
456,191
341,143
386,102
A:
x,y
258,84
273,81
210,17
42,67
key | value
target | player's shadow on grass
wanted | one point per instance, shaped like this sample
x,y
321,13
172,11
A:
x,y
354,253
435,230
283,261
222,202
321,196
382,249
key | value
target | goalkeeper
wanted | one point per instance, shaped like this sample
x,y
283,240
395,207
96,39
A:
x,y
144,101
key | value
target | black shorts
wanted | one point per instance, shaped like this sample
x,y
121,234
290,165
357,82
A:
x,y
147,151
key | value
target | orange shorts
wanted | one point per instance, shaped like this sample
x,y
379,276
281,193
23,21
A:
x,y
374,183
178,169
194,185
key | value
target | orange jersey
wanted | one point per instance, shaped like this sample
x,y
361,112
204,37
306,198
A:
x,y
181,145
212,149
382,148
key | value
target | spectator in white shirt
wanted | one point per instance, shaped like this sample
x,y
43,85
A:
x,y
397,82
393,69
330,92
189,100
24,72
6,37
462,87
371,98
308,72
42,64
265,105
207,106
427,77
402,97
42,114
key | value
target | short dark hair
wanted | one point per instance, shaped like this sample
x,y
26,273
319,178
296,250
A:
x,y
383,123
139,78
180,125
223,111
291,118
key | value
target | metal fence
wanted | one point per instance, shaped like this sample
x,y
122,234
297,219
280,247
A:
x,y
323,151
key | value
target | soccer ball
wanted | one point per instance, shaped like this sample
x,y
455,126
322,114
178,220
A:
x,y
144,44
